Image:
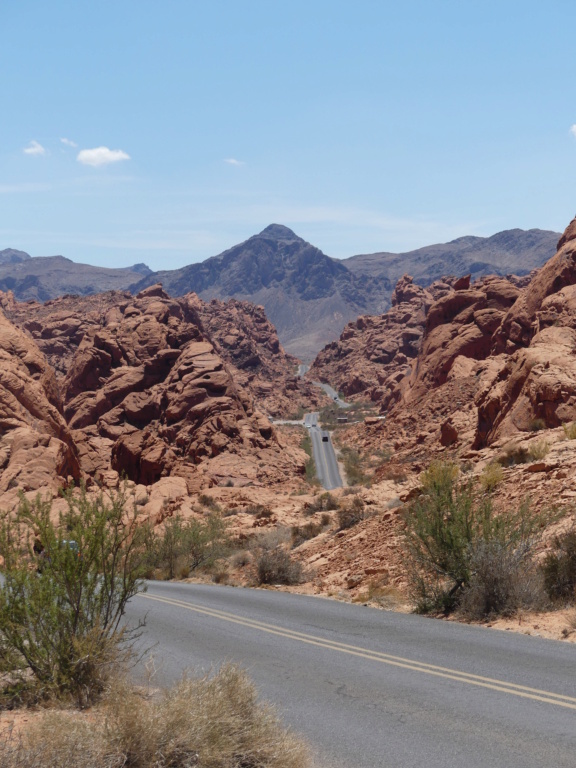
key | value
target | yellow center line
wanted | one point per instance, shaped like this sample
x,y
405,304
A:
x,y
503,686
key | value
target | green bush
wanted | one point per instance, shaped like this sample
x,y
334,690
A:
x,y
446,526
504,579
351,514
559,568
570,430
62,628
187,544
492,476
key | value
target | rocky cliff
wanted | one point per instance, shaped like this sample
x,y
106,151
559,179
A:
x,y
141,391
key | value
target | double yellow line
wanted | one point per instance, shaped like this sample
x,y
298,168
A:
x,y
493,684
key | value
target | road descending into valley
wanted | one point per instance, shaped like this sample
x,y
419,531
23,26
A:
x,y
376,689
323,452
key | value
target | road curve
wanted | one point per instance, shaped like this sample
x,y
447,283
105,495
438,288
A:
x,y
377,689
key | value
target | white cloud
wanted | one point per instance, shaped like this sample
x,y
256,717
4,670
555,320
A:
x,y
69,142
101,156
34,148
573,130
233,161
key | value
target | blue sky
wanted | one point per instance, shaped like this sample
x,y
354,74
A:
x,y
364,126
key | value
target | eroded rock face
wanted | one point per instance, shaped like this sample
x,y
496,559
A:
x,y
37,452
146,394
373,353
497,358
248,342
461,324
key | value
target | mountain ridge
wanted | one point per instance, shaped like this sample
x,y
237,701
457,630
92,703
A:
x,y
308,295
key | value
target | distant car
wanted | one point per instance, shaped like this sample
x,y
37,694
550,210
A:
x,y
335,397
325,437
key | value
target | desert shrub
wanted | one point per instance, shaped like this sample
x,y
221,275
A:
x,y
241,559
220,575
273,562
559,568
353,466
259,511
446,526
570,430
325,519
61,609
514,456
538,450
187,544
302,533
322,503
211,722
277,566
351,514
536,425
503,580
381,593
208,502
491,476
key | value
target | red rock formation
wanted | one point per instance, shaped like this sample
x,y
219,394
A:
x,y
36,448
146,394
248,342
374,353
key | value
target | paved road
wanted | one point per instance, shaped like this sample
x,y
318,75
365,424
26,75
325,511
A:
x,y
376,689
325,459
323,453
331,392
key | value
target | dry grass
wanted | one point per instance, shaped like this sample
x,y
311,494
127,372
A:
x,y
211,722
491,477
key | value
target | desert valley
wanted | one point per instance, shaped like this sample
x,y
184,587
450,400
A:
x,y
197,409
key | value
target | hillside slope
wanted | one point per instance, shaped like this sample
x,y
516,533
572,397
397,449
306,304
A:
x,y
514,251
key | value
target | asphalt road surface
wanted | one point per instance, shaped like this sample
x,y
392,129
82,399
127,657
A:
x,y
376,689
323,453
325,459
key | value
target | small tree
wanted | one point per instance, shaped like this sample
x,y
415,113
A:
x,y
188,544
61,608
445,527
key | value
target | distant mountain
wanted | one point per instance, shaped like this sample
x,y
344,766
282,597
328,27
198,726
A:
x,y
11,256
514,251
46,277
308,296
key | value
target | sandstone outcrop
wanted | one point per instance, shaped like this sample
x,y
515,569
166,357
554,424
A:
x,y
248,342
374,355
145,393
37,452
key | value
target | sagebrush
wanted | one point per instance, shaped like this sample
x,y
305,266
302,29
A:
x,y
211,722
64,593
449,528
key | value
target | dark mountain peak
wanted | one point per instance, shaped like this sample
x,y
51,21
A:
x,y
12,256
141,268
278,232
